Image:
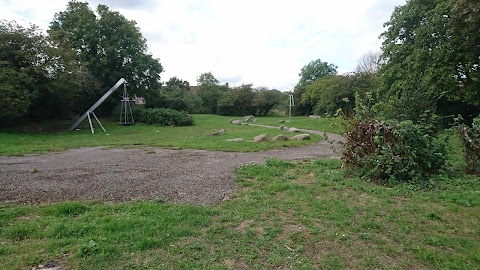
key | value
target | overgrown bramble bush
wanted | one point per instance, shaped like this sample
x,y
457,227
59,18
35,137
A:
x,y
471,142
393,152
161,116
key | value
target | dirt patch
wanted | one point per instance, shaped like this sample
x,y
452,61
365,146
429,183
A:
x,y
236,264
244,225
179,176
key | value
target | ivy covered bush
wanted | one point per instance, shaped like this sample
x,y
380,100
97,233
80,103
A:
x,y
393,152
162,116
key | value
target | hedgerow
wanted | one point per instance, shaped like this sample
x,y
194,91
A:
x,y
162,116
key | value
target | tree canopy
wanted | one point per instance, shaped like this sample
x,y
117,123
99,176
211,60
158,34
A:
x,y
431,50
209,91
309,73
110,45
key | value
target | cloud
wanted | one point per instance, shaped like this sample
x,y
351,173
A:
x,y
261,42
145,5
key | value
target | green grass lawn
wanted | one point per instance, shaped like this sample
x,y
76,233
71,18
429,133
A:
x,y
193,137
305,215
300,216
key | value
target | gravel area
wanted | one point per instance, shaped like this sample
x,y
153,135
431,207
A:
x,y
105,174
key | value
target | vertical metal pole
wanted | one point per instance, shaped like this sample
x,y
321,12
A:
x,y
131,113
289,110
90,121
99,122
121,111
291,102
125,99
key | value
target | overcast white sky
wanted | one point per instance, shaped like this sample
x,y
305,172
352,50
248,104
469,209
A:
x,y
264,42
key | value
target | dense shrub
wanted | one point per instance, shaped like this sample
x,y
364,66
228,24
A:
x,y
237,101
393,152
161,116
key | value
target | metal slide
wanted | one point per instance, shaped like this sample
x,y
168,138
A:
x,y
100,101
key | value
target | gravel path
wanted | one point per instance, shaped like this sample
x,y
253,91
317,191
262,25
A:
x,y
94,173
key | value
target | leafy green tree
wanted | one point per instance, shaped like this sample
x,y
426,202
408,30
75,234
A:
x,y
431,51
308,75
266,100
330,93
175,82
15,98
111,47
207,79
209,91
237,101
39,80
175,94
24,70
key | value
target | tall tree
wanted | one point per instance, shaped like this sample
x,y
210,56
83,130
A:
x,y
267,99
207,79
38,79
24,69
308,75
330,93
237,101
178,83
209,91
431,51
110,45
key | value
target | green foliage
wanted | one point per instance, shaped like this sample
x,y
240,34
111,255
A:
x,y
431,51
23,69
176,95
393,152
207,79
237,101
330,93
162,117
210,91
314,70
15,99
410,104
266,100
110,46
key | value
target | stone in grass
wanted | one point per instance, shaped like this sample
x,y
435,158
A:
x,y
261,138
280,138
250,118
217,133
281,121
235,140
292,129
301,137
236,122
